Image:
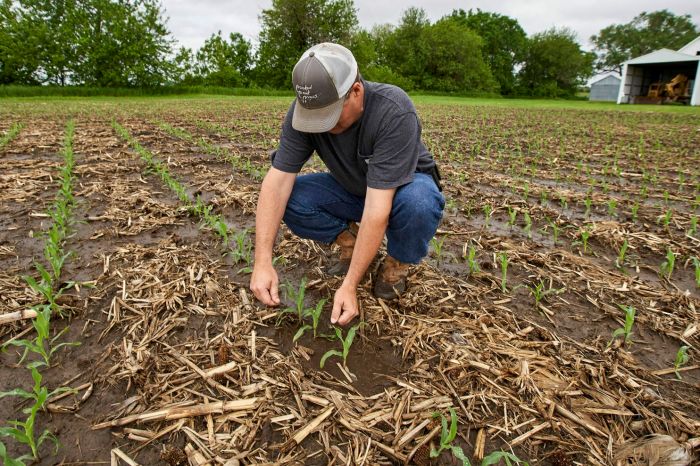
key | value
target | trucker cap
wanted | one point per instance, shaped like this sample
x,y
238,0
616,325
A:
x,y
321,78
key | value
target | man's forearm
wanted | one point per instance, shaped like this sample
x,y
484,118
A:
x,y
369,238
274,194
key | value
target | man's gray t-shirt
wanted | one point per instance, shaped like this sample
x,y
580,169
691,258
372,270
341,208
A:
x,y
382,150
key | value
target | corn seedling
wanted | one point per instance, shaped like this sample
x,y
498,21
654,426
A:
x,y
585,235
612,207
620,261
242,249
471,260
696,264
625,331
539,292
437,245
634,212
503,258
297,297
24,431
588,203
682,359
693,225
346,342
665,219
512,215
668,265
315,314
555,231
488,210
447,436
528,225
43,345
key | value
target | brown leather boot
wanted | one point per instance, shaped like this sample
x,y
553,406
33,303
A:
x,y
346,241
391,282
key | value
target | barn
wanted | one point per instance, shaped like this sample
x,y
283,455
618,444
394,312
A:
x,y
605,88
646,79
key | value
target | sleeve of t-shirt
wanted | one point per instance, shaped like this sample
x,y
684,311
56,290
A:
x,y
393,162
294,148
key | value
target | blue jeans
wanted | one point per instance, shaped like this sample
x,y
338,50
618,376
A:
x,y
319,208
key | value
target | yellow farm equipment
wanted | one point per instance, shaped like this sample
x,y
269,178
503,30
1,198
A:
x,y
672,91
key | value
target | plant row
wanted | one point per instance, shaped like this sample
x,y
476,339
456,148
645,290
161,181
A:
x,y
237,244
10,134
238,163
40,349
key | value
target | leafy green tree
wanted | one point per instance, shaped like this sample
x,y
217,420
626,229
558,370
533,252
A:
x,y
455,63
647,32
290,27
19,47
554,64
95,42
184,71
405,48
123,43
224,63
504,43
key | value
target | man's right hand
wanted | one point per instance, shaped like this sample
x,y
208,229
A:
x,y
265,284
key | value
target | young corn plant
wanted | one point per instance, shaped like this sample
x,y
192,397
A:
x,y
497,456
503,258
242,250
696,264
488,210
297,297
625,331
24,431
447,436
528,224
512,216
588,203
585,235
437,245
315,314
346,342
471,260
620,261
612,207
668,265
634,212
540,292
43,345
682,359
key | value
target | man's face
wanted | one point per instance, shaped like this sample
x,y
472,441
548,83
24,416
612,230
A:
x,y
352,109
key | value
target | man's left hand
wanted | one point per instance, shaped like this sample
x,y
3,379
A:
x,y
344,305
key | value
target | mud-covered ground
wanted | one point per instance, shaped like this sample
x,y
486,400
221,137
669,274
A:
x,y
157,298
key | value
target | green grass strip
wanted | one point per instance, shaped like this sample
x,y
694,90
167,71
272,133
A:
x,y
10,134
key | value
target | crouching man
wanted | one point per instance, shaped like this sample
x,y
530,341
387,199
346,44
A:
x,y
380,174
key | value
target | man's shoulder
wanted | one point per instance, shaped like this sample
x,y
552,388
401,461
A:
x,y
391,97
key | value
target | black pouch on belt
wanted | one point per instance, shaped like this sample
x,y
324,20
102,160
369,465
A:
x,y
435,173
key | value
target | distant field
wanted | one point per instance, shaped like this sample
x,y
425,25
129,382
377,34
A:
x,y
559,293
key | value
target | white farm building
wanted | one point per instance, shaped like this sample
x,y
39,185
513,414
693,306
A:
x,y
662,76
605,89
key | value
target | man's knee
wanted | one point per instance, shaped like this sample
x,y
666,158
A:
x,y
419,201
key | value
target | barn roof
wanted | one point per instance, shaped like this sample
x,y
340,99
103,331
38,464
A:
x,y
604,77
692,47
663,56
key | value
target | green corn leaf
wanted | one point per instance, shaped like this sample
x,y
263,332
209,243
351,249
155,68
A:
x,y
459,454
17,392
328,355
17,434
300,332
453,426
497,456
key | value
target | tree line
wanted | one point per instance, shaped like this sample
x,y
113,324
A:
x,y
126,43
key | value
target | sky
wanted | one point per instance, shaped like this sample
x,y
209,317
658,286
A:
x,y
192,21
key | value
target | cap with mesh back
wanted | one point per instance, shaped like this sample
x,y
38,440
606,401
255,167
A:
x,y
321,78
